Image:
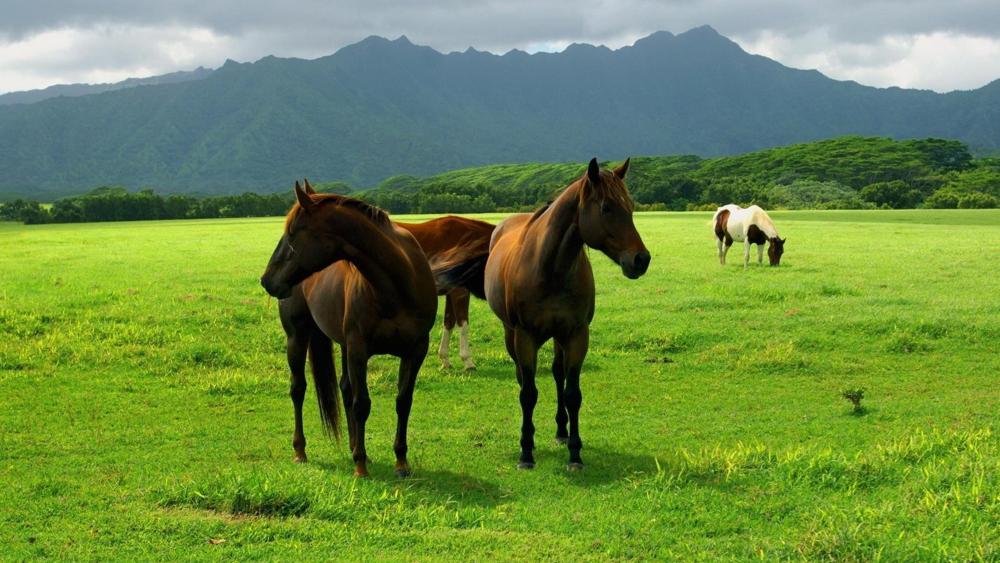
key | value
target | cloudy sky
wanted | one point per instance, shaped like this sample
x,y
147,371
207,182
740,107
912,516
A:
x,y
921,44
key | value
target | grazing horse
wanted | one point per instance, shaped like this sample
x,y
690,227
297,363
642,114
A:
x,y
446,241
540,283
345,273
749,226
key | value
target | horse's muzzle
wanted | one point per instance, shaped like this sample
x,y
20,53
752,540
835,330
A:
x,y
279,291
636,265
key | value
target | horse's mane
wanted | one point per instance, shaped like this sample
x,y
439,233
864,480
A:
x,y
377,215
612,187
538,212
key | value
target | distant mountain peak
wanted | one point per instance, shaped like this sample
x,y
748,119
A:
x,y
704,31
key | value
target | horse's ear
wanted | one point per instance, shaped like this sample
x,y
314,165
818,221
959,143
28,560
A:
x,y
309,189
622,170
305,202
594,172
783,240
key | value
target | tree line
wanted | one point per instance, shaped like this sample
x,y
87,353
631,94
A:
x,y
842,173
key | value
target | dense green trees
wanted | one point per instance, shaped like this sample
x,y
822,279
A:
x,y
842,173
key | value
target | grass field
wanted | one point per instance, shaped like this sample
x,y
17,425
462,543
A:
x,y
146,415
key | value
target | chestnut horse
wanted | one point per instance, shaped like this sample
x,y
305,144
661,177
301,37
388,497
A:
x,y
345,273
446,241
540,283
749,226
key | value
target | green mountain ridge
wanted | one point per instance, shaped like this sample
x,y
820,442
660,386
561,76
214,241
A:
x,y
381,108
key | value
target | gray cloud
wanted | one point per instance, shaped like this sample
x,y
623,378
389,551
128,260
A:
x,y
851,32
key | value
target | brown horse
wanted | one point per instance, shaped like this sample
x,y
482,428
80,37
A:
x,y
345,273
447,240
539,282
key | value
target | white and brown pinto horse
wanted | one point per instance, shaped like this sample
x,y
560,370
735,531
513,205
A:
x,y
749,226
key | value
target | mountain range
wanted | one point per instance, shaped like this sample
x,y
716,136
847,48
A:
x,y
32,96
379,108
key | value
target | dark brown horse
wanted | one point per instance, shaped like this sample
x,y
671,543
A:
x,y
539,282
446,241
345,273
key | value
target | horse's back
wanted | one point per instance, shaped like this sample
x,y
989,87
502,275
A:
x,y
444,233
510,224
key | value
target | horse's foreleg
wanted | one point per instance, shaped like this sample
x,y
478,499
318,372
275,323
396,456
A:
x,y
574,352
746,253
357,368
508,340
526,350
449,323
297,347
559,374
760,254
408,368
461,308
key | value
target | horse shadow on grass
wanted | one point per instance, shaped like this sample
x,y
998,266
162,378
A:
x,y
433,484
601,465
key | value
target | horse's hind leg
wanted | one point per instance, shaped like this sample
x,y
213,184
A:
x,y
559,374
348,396
574,352
449,323
298,327
357,368
460,304
721,243
409,366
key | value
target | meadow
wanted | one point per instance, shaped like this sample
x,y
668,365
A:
x,y
146,415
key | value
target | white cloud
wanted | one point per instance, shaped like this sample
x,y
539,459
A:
x,y
105,54
939,61
912,43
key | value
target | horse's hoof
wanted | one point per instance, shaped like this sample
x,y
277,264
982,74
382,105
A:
x,y
526,465
403,471
361,472
574,466
445,365
562,439
300,458
470,367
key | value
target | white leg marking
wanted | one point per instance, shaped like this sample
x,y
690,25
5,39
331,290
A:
x,y
760,254
722,251
443,348
746,253
463,346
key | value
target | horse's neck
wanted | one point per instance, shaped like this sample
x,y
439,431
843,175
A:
x,y
764,223
376,254
556,237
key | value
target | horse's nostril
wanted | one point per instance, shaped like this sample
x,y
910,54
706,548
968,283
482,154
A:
x,y
642,260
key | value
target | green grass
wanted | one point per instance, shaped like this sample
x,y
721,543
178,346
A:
x,y
145,410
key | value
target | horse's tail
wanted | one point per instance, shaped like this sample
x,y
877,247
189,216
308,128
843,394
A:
x,y
467,271
715,216
325,381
